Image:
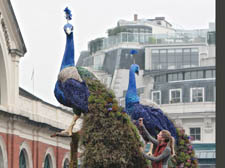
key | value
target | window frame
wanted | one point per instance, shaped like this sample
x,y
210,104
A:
x,y
157,91
203,94
170,94
195,127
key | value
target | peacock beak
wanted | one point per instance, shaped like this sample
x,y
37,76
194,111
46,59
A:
x,y
68,31
137,72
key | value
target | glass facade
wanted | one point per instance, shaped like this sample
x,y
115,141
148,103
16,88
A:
x,y
179,76
145,36
174,58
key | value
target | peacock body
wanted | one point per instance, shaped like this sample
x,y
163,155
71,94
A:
x,y
70,89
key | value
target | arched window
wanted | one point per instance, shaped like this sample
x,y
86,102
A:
x,y
66,164
3,154
48,162
1,159
22,160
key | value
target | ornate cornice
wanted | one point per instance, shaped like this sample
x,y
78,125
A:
x,y
6,34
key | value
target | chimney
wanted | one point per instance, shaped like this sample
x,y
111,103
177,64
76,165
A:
x,y
135,17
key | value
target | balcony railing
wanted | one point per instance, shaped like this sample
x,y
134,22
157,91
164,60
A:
x,y
148,38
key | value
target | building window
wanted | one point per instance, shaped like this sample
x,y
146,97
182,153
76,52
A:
x,y
156,97
195,134
197,94
1,158
175,77
22,160
47,163
66,164
175,58
160,79
175,96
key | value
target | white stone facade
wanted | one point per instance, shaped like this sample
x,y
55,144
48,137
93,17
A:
x,y
25,119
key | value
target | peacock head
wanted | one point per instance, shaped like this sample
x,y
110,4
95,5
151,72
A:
x,y
135,68
68,28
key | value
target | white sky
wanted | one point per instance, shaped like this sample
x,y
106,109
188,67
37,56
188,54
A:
x,y
41,24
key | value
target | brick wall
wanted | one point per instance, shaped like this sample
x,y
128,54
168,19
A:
x,y
38,151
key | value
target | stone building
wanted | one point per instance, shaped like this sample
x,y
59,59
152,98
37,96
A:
x,y
26,122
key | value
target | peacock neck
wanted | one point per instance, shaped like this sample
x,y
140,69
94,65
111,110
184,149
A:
x,y
132,83
131,95
68,58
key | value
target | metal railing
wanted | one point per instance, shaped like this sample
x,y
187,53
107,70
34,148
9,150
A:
x,y
154,39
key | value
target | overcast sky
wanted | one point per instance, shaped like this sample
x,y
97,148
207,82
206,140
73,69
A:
x,y
41,24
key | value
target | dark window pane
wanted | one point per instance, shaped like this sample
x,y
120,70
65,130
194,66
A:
x,y
22,160
197,130
192,131
197,137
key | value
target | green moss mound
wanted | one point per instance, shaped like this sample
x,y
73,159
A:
x,y
109,137
111,140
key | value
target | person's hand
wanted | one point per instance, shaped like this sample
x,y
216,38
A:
x,y
140,121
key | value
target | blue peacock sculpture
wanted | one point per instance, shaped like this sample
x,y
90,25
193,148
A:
x,y
154,119
70,90
108,136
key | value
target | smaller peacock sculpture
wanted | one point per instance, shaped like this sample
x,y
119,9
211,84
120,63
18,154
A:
x,y
70,89
154,119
